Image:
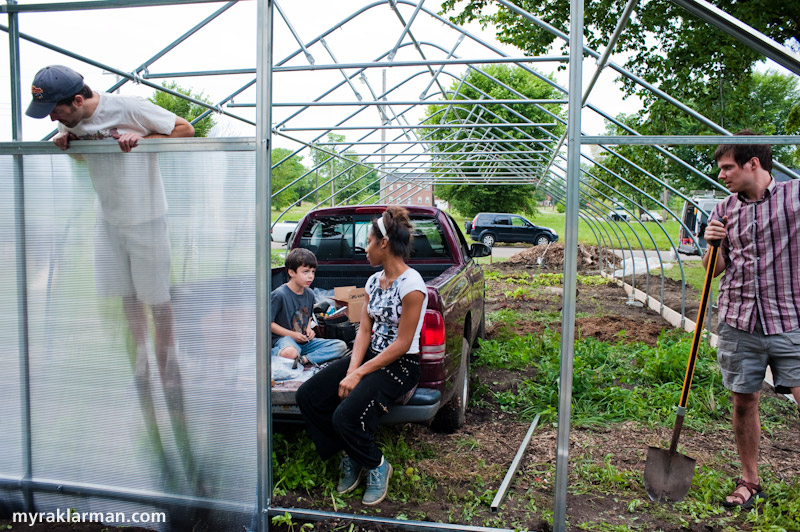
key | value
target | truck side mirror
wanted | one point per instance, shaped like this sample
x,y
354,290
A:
x,y
479,250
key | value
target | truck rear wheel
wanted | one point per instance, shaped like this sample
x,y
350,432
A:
x,y
453,414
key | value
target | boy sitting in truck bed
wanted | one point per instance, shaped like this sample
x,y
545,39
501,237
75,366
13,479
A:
x,y
292,307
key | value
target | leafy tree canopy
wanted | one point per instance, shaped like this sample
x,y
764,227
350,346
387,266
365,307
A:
x,y
185,108
487,159
288,169
348,180
763,102
669,47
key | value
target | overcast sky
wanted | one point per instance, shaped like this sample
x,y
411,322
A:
x,y
124,38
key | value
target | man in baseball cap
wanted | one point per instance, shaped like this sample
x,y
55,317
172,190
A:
x,y
132,247
51,85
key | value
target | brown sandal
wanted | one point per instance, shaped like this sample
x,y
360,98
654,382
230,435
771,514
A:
x,y
754,491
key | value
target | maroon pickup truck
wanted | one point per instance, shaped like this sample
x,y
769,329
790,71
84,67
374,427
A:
x,y
453,321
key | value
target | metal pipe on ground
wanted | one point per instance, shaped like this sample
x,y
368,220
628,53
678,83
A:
x,y
512,470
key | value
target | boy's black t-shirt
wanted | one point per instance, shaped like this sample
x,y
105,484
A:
x,y
289,310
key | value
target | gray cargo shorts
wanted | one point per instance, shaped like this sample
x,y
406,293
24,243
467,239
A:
x,y
743,358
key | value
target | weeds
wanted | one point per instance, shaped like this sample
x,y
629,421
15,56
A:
x,y
287,521
543,279
606,477
611,383
298,466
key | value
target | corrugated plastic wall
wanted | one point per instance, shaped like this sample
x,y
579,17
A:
x,y
95,424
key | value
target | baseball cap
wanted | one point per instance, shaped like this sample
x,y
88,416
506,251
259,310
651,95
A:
x,y
51,85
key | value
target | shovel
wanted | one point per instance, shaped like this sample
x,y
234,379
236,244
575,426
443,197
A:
x,y
667,473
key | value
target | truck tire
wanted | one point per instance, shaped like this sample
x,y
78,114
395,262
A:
x,y
488,239
541,240
453,414
288,238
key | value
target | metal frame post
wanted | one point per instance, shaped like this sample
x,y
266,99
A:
x,y
570,262
263,278
21,262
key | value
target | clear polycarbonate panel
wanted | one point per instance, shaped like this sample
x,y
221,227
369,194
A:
x,y
141,335
11,457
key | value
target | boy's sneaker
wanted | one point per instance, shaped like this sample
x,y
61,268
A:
x,y
351,475
377,484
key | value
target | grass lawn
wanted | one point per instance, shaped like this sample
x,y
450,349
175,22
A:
x,y
695,275
293,214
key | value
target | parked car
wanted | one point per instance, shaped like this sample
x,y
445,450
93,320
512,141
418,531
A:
x,y
651,216
618,215
282,231
492,227
454,318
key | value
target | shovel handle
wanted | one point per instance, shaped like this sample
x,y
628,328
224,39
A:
x,y
676,431
698,328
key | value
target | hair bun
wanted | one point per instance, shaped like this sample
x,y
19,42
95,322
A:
x,y
398,230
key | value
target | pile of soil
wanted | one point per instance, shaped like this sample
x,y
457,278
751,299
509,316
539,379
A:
x,y
550,258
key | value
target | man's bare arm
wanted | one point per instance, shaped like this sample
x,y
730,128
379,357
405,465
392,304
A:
x,y
182,128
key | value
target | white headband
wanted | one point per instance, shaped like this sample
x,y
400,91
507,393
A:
x,y
382,227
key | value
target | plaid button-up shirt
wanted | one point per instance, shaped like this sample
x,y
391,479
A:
x,y
762,257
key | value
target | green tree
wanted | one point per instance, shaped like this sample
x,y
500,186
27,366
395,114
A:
x,y
349,180
668,47
286,172
185,108
486,159
763,102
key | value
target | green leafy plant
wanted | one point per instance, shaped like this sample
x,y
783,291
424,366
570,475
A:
x,y
297,465
611,382
287,521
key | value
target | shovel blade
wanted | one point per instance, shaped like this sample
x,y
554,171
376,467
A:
x,y
667,475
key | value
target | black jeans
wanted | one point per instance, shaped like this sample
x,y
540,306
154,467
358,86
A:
x,y
350,424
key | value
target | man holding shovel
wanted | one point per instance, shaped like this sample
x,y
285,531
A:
x,y
759,311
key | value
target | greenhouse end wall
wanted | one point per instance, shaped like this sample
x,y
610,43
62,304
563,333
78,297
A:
x,y
105,435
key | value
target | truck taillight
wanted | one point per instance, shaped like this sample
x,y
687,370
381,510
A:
x,y
431,338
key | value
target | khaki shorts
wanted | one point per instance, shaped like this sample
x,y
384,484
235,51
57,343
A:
x,y
743,358
132,260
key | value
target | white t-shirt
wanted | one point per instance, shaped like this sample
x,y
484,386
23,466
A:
x,y
386,306
128,185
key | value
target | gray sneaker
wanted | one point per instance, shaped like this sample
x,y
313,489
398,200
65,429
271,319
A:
x,y
377,484
352,473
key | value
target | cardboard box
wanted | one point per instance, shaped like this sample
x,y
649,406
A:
x,y
353,297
